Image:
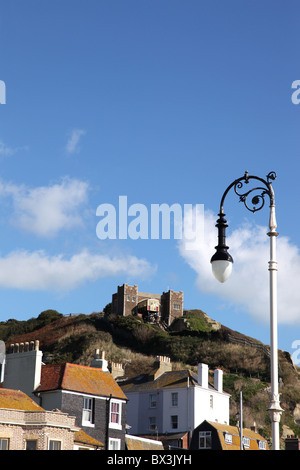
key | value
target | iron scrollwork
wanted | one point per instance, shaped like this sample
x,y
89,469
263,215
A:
x,y
258,193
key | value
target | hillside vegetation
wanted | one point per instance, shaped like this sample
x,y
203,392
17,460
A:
x,y
192,339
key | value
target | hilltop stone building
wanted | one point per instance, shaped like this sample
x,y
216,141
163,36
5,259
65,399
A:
x,y
164,307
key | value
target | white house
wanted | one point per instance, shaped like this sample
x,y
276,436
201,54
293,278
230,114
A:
x,y
174,401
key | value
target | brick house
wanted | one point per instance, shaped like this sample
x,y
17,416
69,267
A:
x,y
128,301
90,394
24,425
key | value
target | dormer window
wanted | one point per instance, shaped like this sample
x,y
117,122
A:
x,y
246,442
262,445
228,438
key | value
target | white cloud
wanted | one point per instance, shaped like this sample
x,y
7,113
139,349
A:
x,y
38,271
46,210
7,151
248,286
73,141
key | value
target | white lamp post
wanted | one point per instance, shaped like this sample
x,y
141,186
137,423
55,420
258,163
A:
x,y
222,267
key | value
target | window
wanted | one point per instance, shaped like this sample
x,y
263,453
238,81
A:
x,y
133,299
228,438
174,399
262,445
88,412
115,414
4,444
246,442
31,445
128,298
205,440
152,400
174,422
176,306
152,423
114,444
54,445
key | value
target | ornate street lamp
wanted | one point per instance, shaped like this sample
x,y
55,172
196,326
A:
x,y
222,267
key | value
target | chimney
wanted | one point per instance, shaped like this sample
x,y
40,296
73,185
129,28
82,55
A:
x,y
116,370
99,363
218,380
162,364
23,367
292,443
203,375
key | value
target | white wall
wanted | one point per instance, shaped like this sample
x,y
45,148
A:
x,y
219,412
194,406
23,371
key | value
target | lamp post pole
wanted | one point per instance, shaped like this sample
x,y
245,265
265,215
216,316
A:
x,y
222,266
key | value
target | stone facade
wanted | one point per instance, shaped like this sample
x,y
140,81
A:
x,y
127,298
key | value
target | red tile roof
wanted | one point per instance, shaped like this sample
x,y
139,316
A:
x,y
17,400
78,378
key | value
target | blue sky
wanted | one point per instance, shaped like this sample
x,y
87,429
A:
x,y
162,102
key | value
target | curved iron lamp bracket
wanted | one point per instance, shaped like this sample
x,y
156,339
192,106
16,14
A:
x,y
258,193
257,203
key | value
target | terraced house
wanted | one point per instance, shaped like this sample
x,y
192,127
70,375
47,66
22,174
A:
x,y
90,394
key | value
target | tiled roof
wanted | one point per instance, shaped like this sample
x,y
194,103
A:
x,y
78,378
178,378
82,437
253,436
139,443
17,400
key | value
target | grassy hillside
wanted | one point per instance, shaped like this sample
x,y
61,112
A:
x,y
194,338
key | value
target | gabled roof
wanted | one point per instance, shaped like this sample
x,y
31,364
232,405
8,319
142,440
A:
x,y
223,429
82,379
17,400
178,378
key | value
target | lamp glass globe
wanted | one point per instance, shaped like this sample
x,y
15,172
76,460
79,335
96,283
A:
x,y
221,269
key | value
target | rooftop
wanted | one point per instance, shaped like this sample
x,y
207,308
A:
x,y
178,378
77,378
224,429
17,400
